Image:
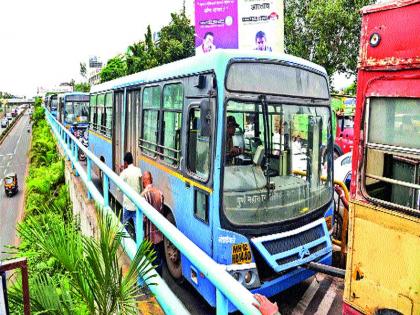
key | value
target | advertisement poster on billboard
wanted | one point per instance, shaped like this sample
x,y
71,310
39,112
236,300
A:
x,y
261,25
216,25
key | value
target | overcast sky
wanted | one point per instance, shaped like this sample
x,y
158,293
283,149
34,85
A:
x,y
42,42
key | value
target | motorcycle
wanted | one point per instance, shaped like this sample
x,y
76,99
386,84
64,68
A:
x,y
83,140
82,136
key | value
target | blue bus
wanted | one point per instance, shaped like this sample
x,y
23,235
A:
x,y
73,111
218,134
51,103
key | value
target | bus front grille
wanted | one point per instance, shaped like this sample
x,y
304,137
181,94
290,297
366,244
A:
x,y
291,249
287,243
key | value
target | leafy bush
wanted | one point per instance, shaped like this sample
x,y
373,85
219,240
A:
x,y
38,115
69,273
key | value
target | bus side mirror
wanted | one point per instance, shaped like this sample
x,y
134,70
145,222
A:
x,y
205,115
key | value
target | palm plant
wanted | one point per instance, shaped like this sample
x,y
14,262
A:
x,y
93,281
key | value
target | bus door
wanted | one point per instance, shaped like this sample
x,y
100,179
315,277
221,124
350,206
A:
x,y
199,129
117,140
130,126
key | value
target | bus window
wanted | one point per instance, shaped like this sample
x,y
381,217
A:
x,y
198,146
151,106
93,112
260,185
392,173
100,112
173,100
201,205
81,111
108,114
69,116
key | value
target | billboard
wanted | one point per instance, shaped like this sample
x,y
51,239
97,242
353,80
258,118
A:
x,y
245,24
261,25
95,62
216,25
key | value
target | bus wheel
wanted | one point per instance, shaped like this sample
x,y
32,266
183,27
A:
x,y
172,254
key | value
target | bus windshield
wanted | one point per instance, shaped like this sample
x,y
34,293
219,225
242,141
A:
x,y
76,112
81,111
54,103
275,176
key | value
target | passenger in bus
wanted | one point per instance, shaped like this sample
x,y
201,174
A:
x,y
155,198
231,150
132,176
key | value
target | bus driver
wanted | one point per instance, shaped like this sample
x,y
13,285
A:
x,y
231,150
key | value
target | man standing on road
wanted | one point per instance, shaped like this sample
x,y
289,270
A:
x,y
155,198
132,176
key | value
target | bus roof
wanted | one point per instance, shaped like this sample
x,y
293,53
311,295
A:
x,y
197,64
72,93
387,6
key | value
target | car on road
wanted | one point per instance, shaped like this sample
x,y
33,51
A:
x,y
4,122
9,116
342,169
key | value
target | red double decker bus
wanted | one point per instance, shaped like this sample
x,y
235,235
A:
x,y
383,261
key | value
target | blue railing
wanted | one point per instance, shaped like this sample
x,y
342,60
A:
x,y
227,288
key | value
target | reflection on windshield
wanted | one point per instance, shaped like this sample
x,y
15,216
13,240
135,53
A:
x,y
261,184
77,112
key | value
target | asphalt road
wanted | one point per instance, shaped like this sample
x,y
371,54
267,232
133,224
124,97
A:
x,y
320,294
13,158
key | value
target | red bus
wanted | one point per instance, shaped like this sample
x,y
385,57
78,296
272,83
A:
x,y
383,257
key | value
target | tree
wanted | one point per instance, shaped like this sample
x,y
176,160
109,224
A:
x,y
81,87
325,32
142,55
176,40
92,279
351,89
116,67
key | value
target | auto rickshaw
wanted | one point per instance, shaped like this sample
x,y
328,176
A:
x,y
10,184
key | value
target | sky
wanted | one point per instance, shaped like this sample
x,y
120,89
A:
x,y
42,42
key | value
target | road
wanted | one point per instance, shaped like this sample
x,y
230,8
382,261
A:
x,y
321,295
13,158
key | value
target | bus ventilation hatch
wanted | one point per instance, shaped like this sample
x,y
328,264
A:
x,y
290,249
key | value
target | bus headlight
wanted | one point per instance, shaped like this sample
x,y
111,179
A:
x,y
245,274
248,277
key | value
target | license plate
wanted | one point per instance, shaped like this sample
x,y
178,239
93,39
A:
x,y
241,253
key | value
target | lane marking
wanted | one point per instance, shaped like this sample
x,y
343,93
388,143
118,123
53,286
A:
x,y
14,152
327,301
307,296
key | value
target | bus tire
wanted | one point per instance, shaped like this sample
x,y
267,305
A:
x,y
337,151
172,255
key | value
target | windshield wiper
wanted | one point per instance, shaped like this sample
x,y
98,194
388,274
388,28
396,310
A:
x,y
267,145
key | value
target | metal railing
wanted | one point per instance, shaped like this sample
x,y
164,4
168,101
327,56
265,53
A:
x,y
22,264
227,288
